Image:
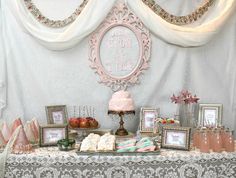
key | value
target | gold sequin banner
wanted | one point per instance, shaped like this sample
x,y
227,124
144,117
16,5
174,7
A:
x,y
53,23
179,20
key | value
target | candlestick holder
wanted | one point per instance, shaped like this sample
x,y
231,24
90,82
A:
x,y
121,131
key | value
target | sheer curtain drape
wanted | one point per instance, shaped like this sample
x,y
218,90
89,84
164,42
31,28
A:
x,y
91,16
2,65
7,151
96,10
187,36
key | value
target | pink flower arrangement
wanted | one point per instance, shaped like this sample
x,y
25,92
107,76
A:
x,y
184,97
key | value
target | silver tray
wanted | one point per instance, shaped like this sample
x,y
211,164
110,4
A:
x,y
114,153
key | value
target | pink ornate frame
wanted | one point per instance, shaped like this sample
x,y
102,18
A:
x,y
120,15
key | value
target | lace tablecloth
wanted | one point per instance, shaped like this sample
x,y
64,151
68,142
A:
x,y
51,163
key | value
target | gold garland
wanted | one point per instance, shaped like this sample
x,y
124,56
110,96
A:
x,y
53,23
179,20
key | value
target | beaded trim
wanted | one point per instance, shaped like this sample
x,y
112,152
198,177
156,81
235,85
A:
x,y
53,23
179,20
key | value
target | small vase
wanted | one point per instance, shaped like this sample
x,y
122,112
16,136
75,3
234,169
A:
x,y
186,115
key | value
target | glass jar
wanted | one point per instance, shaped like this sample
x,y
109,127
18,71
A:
x,y
217,141
223,136
196,138
204,142
210,133
229,141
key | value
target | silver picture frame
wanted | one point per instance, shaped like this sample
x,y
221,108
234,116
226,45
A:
x,y
176,138
148,119
210,114
50,134
56,114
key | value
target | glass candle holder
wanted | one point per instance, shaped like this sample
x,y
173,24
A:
x,y
223,136
229,141
217,141
196,138
204,142
209,135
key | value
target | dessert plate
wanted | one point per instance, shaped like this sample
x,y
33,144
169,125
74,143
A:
x,y
83,132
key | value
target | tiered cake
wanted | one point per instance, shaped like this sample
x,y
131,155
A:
x,y
121,101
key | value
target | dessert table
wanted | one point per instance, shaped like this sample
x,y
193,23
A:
x,y
49,162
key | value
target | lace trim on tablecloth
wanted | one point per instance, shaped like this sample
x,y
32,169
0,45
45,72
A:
x,y
49,162
54,155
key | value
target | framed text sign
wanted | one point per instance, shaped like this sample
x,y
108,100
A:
x,y
120,48
210,115
50,134
148,119
176,138
56,114
119,51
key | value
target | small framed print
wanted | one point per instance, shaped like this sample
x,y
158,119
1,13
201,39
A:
x,y
50,134
176,138
56,114
210,115
148,119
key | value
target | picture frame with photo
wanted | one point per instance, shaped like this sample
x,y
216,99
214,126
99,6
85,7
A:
x,y
176,138
148,119
56,114
50,134
210,115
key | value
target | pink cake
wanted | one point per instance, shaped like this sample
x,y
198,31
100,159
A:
x,y
121,101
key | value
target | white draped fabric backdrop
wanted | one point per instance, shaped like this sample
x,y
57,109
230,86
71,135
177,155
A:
x,y
40,66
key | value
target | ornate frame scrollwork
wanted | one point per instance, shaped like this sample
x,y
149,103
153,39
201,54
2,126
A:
x,y
120,15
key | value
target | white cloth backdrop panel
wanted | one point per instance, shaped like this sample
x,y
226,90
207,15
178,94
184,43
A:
x,y
182,35
2,67
96,10
92,15
37,76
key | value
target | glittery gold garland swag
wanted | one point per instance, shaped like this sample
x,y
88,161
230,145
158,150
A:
x,y
53,23
179,20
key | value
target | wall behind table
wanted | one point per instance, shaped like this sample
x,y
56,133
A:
x,y
37,77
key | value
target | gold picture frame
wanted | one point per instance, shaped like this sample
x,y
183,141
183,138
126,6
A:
x,y
56,114
50,134
148,119
176,138
210,115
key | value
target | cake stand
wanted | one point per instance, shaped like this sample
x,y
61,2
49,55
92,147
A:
x,y
121,131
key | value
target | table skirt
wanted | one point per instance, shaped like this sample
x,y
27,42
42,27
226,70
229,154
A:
x,y
50,163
